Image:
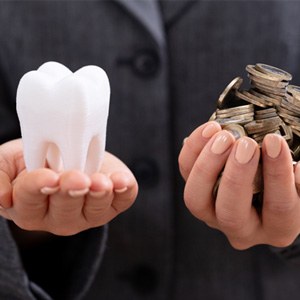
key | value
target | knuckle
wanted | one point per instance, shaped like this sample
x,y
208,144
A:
x,y
122,205
184,171
233,179
239,245
26,225
64,230
275,172
203,168
191,203
283,242
280,207
195,208
230,223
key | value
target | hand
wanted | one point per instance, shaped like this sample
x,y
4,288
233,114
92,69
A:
x,y
204,154
65,203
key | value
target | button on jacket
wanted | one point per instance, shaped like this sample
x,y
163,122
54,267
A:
x,y
167,63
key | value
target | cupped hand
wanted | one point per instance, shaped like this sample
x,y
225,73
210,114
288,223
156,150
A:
x,y
207,152
65,203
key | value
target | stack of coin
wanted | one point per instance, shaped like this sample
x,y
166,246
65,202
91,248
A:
x,y
269,81
271,105
267,121
289,109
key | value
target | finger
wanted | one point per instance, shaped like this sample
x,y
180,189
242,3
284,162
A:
x,y
297,176
125,191
204,174
66,205
5,190
11,158
281,202
236,216
194,144
29,204
99,199
111,164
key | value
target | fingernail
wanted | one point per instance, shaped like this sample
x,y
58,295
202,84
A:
x,y
98,194
46,190
78,193
184,140
245,150
209,130
273,145
222,143
119,191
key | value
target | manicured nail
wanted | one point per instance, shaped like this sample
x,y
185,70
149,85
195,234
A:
x,y
209,130
273,145
222,143
98,194
78,193
46,190
245,150
119,191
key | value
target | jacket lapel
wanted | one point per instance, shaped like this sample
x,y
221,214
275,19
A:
x,y
148,13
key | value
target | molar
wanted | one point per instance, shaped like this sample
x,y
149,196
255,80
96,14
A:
x,y
63,117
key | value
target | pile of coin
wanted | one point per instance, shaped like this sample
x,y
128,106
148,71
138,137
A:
x,y
271,105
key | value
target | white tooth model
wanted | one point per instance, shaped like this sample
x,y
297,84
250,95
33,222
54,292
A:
x,y
63,117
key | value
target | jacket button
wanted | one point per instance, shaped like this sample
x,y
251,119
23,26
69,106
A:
x,y
146,63
146,172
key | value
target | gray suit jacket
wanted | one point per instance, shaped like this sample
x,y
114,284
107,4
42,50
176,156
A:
x,y
167,65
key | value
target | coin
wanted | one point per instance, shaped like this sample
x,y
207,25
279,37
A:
x,y
274,72
230,88
274,107
237,130
269,101
251,69
249,98
268,82
267,89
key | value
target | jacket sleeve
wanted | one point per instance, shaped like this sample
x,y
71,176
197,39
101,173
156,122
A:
x,y
55,268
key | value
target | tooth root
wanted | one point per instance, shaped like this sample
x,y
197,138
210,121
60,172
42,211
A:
x,y
35,155
63,117
77,158
94,158
54,158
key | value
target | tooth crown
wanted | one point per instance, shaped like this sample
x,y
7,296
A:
x,y
63,117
